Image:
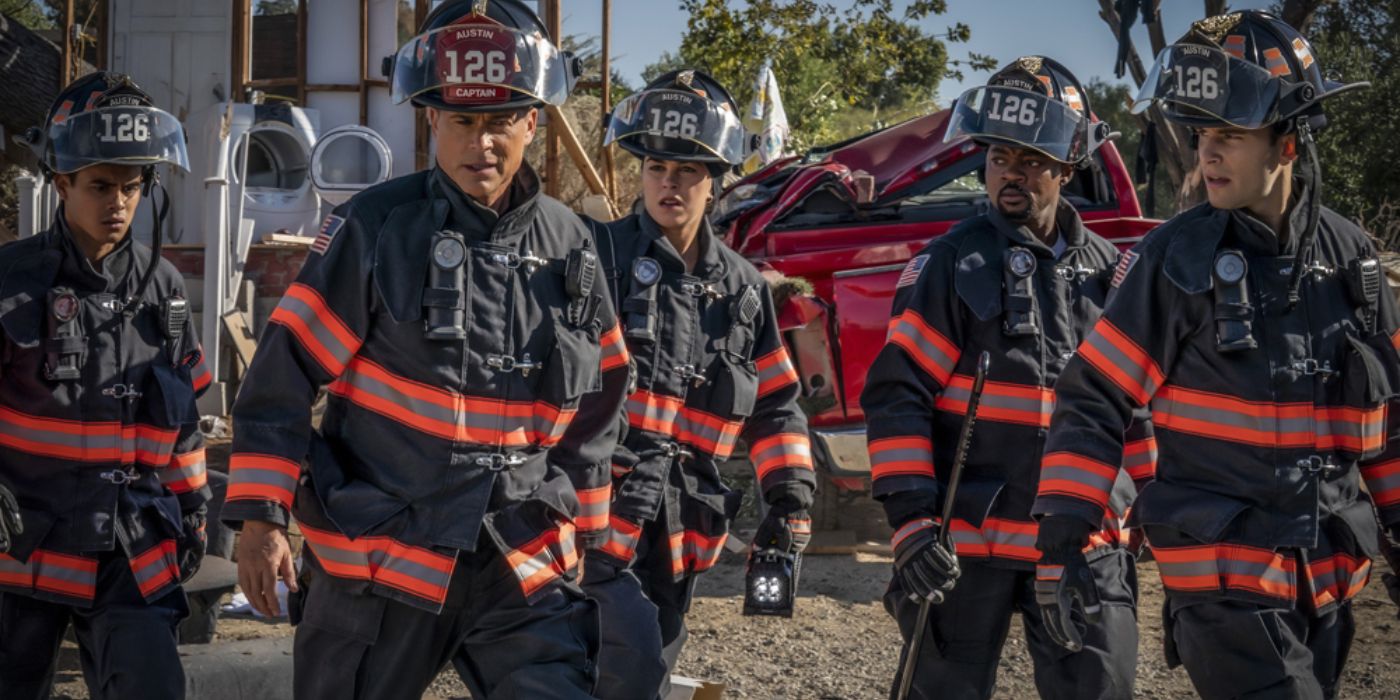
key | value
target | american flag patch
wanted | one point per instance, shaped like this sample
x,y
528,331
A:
x,y
1126,261
911,271
329,228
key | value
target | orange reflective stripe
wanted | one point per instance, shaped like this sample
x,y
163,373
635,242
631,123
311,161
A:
x,y
544,559
1265,424
65,574
1122,361
614,349
449,415
694,552
327,338
260,477
623,536
593,508
781,451
84,441
417,571
1275,62
1383,481
928,348
909,528
1214,567
1140,459
187,472
1004,539
1003,402
1077,476
901,456
1337,578
1234,45
1395,339
199,374
156,568
775,371
669,416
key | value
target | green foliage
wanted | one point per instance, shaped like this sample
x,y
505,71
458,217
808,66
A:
x,y
276,7
589,50
30,13
864,62
1111,102
1360,40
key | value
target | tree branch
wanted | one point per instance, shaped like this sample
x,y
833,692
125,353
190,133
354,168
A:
x,y
1299,13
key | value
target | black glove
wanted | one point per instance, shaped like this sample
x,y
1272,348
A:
x,y
1063,579
1392,579
788,532
10,522
927,569
192,544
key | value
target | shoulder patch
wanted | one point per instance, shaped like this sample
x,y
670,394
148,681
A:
x,y
910,275
329,228
1126,261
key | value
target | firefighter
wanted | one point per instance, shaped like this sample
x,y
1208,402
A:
x,y
1023,282
1257,328
712,369
463,331
99,371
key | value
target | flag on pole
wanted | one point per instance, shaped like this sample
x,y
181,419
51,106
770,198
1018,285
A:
x,y
766,119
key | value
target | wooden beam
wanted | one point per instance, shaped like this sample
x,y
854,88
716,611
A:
x,y
322,87
301,52
609,168
103,46
575,149
65,75
364,58
553,22
238,73
420,122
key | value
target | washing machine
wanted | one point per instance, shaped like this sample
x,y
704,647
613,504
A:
x,y
348,159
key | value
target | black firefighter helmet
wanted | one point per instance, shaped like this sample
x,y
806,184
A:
x,y
1032,102
482,56
684,115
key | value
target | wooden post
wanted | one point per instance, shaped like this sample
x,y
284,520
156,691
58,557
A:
x,y
103,46
238,76
364,58
609,169
301,53
65,75
554,23
420,121
571,143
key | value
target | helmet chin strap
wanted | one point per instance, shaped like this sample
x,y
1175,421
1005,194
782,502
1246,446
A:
x,y
151,186
1312,177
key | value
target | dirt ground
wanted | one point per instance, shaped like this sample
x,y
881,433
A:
x,y
842,645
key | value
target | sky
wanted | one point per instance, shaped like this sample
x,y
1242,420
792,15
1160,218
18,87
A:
x,y
1069,31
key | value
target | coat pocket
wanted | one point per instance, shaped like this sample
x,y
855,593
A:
x,y
735,387
1201,515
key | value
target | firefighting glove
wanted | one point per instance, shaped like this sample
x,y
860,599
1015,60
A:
x,y
10,522
1392,579
788,532
1063,579
927,568
192,544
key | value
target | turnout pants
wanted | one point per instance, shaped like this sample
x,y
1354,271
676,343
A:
x,y
127,647
354,645
963,640
1234,649
643,622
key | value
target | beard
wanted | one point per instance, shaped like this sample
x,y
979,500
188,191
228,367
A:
x,y
1021,213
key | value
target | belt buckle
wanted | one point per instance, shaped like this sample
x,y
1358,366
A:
x,y
499,462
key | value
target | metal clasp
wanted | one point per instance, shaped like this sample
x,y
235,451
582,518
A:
x,y
1070,274
1318,465
674,449
1310,366
122,391
514,260
500,462
120,477
506,363
701,289
688,372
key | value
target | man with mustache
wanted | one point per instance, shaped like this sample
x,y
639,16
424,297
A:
x,y
1259,329
1024,282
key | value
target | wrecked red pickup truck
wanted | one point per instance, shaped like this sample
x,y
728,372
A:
x,y
845,219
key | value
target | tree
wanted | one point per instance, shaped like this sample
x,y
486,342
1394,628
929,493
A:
x,y
30,13
869,58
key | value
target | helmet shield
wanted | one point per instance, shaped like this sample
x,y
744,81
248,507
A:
x,y
126,135
1021,118
681,123
477,63
1204,85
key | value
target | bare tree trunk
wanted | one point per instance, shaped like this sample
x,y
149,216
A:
x,y
1299,13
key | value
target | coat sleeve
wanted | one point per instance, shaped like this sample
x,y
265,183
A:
x,y
586,449
316,329
776,432
1382,472
922,346
1117,369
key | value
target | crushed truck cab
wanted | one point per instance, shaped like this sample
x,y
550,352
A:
x,y
832,230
